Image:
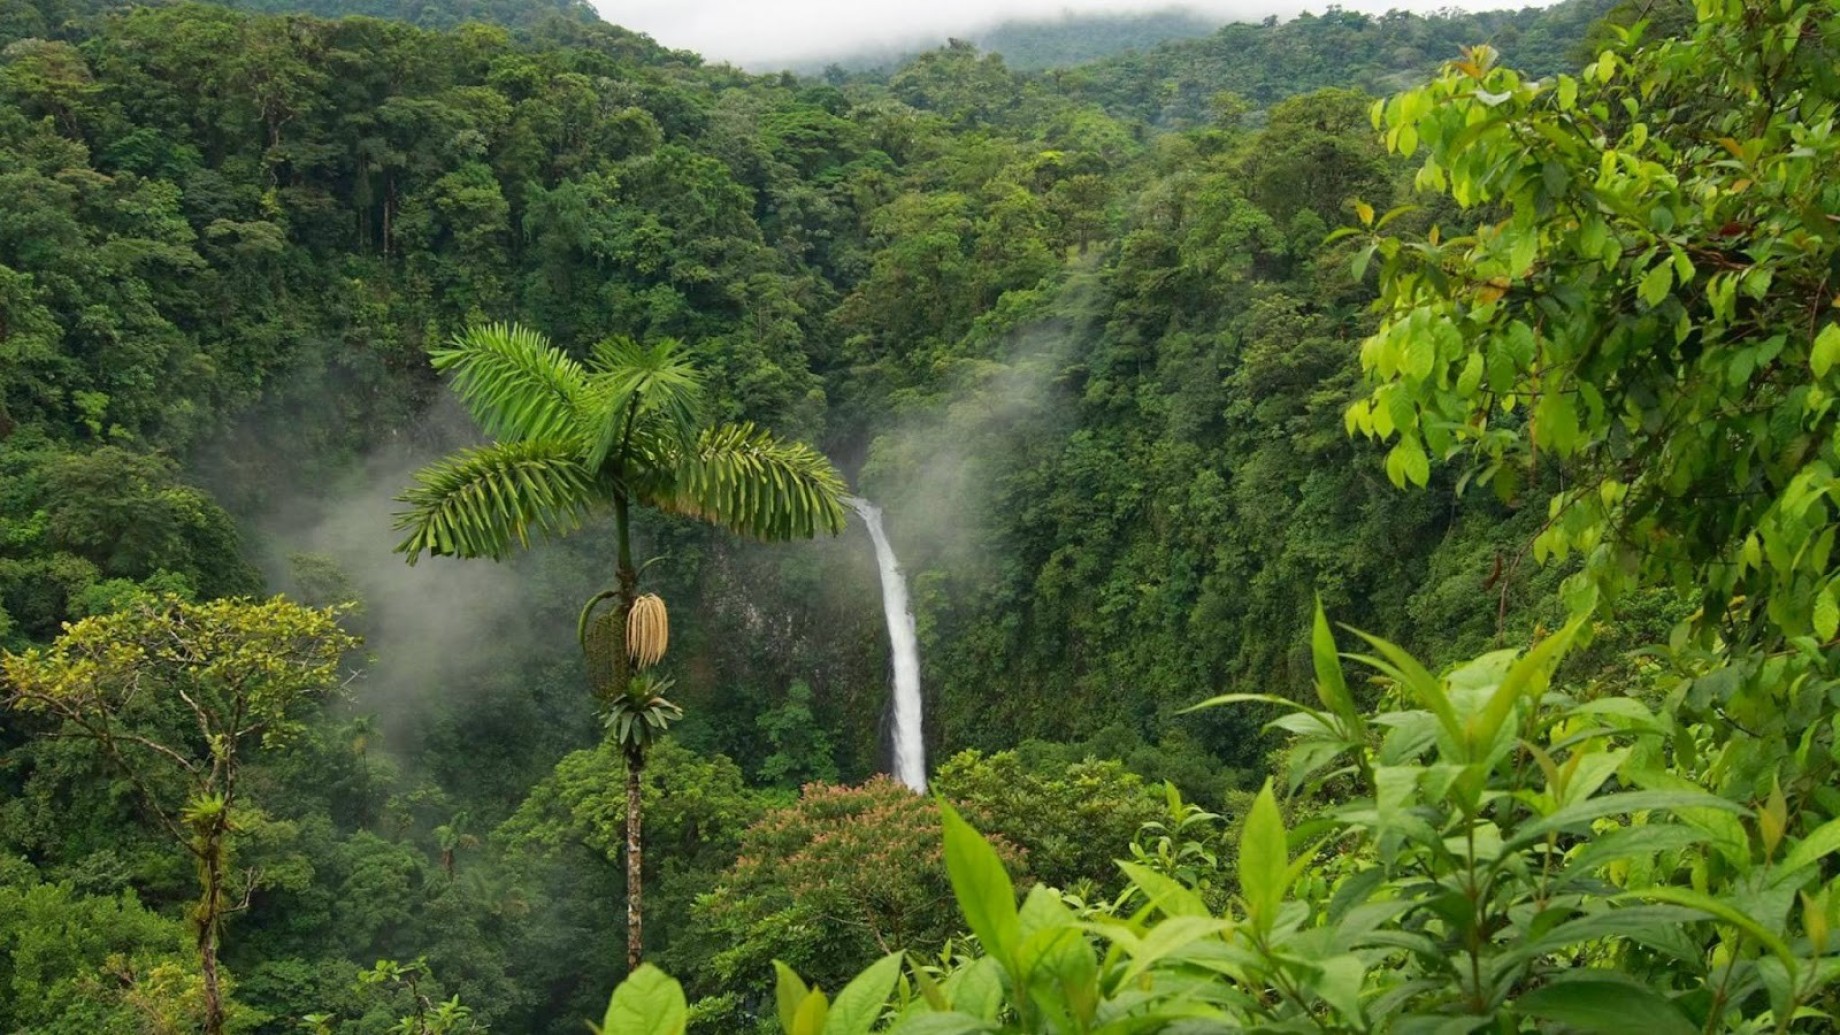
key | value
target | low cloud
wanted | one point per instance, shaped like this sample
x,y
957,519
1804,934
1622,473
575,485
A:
x,y
767,35
434,629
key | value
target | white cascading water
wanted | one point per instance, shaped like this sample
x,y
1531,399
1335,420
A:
x,y
909,747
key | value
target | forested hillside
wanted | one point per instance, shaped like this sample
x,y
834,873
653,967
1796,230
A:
x,y
434,14
1077,39
1093,339
1179,83
1172,68
1038,43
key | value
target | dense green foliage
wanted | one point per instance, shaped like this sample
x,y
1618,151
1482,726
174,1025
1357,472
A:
x,y
1079,332
1077,39
1180,83
1531,840
445,14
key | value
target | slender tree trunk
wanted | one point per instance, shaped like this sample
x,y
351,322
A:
x,y
210,914
213,991
635,878
635,756
628,580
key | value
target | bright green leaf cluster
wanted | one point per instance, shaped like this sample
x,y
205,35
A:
x,y
1646,306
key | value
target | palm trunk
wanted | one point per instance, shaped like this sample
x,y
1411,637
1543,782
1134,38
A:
x,y
635,755
628,584
635,880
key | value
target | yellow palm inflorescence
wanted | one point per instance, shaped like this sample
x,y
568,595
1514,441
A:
x,y
648,630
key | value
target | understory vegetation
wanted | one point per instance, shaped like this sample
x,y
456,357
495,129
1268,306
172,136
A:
x,y
1369,509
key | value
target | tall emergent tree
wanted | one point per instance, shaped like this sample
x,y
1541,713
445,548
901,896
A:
x,y
574,438
172,693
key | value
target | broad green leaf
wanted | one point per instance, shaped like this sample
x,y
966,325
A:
x,y
1406,464
1331,686
1405,670
1338,983
1589,771
811,1016
977,989
1602,1004
1526,679
942,1024
1264,861
1826,350
1420,356
1358,265
1215,702
1043,910
1171,937
1721,910
648,1002
1826,613
1164,893
1063,958
1818,845
1815,919
1644,923
1647,840
1522,255
1655,284
1773,819
985,894
1556,421
1605,67
860,1003
1616,804
930,990
1471,378
1625,708
790,993
1776,979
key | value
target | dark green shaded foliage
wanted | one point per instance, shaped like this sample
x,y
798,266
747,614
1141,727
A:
x,y
229,242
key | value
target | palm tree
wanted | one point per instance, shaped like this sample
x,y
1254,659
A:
x,y
575,438
450,838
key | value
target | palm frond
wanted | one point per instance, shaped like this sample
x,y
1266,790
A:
x,y
632,386
515,384
482,502
744,479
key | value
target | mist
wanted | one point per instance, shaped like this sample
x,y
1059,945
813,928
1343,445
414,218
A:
x,y
771,35
945,470
441,629
937,471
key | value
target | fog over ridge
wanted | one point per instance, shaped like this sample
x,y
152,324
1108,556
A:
x,y
768,34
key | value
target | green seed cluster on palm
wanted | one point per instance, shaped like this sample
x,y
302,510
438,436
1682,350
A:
x,y
572,437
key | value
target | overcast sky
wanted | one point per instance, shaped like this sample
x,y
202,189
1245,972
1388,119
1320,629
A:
x,y
767,33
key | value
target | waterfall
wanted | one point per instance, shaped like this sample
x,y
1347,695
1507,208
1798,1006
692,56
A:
x,y
909,747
